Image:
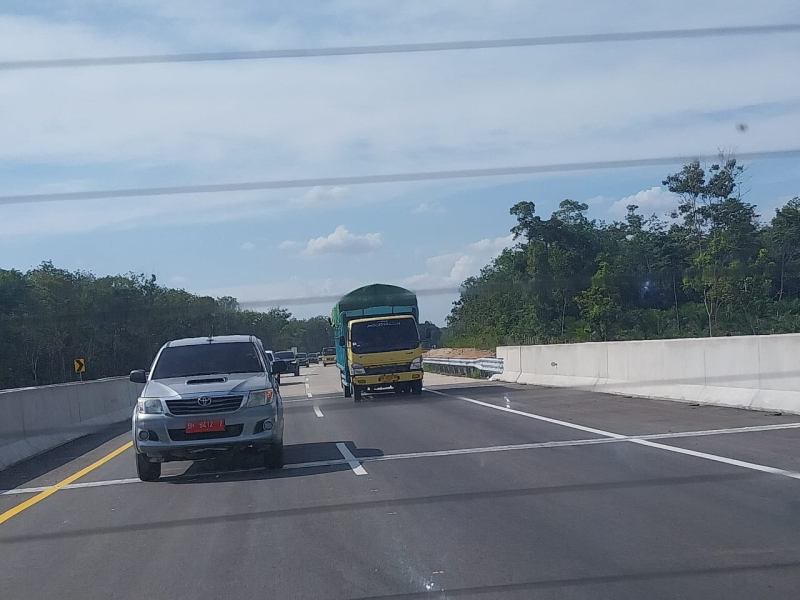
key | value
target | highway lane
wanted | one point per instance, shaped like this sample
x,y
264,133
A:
x,y
466,497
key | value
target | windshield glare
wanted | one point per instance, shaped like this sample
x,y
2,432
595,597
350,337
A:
x,y
207,359
383,335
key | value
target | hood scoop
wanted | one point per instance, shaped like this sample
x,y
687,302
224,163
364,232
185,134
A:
x,y
207,380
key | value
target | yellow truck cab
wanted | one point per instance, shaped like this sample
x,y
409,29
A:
x,y
328,356
377,340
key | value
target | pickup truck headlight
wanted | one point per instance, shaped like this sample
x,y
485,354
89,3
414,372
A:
x,y
416,364
357,369
260,398
150,406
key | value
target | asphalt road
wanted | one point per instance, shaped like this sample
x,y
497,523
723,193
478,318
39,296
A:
x,y
474,490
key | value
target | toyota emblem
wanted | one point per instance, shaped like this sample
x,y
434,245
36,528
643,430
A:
x,y
204,401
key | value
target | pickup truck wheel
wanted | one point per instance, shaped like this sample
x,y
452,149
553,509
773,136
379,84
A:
x,y
273,456
356,393
146,470
297,372
416,388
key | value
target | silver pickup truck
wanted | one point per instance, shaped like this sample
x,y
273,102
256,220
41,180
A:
x,y
204,396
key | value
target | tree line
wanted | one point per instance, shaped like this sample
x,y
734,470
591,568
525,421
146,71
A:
x,y
713,268
50,316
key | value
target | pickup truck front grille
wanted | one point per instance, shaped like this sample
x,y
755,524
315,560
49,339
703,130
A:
x,y
382,369
194,406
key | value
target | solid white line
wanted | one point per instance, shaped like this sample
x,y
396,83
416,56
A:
x,y
486,449
706,432
640,439
71,486
351,460
30,490
532,416
720,459
318,412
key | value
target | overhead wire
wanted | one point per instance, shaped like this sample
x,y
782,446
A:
x,y
403,48
275,184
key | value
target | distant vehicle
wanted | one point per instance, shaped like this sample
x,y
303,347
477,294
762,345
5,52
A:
x,y
328,356
290,358
377,340
203,396
313,358
302,359
271,358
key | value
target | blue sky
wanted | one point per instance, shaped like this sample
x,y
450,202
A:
x,y
150,125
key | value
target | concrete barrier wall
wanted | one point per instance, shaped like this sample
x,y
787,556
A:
x,y
33,420
759,372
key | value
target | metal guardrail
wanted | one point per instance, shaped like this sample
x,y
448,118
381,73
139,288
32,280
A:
x,y
485,365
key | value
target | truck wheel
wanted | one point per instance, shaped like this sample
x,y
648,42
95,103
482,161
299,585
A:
x,y
416,388
273,456
356,393
297,372
146,470
347,391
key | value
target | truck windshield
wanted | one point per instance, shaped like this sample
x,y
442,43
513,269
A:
x,y
384,335
207,359
328,351
285,355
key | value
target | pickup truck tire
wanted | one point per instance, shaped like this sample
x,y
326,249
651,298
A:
x,y
416,388
273,456
297,372
356,393
146,470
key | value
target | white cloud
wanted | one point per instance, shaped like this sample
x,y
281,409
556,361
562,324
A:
x,y
289,245
655,200
247,246
452,268
428,208
409,109
320,195
219,122
342,241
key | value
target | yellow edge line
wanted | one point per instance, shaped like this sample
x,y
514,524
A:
x,y
54,488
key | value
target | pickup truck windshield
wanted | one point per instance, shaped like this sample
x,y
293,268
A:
x,y
383,335
285,355
207,359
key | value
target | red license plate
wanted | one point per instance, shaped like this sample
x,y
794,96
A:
x,y
209,425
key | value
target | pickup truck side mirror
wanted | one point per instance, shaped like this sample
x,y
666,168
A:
x,y
278,367
138,376
341,341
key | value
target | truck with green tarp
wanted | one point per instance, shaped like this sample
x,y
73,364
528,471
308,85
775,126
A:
x,y
377,340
